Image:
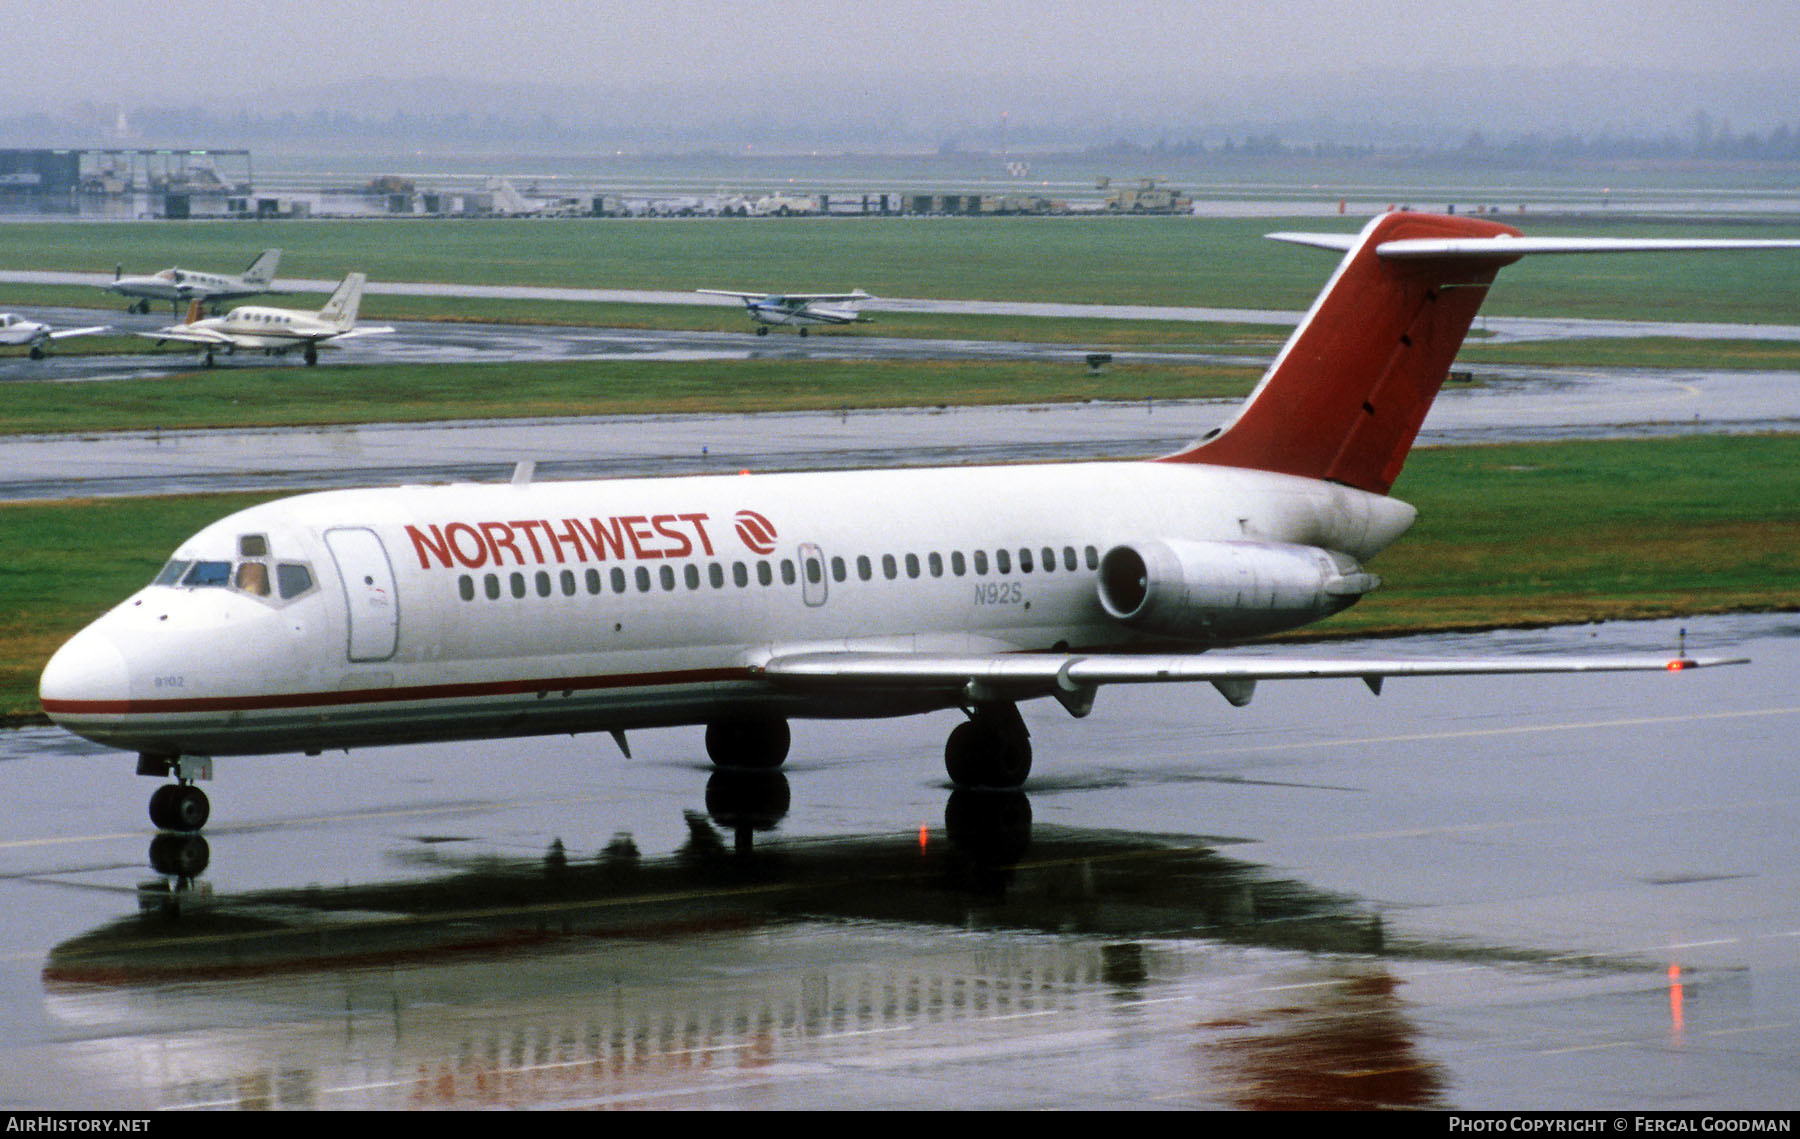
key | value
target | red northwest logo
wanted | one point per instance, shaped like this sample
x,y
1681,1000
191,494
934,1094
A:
x,y
757,532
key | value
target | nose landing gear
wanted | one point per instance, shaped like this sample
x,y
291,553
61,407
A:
x,y
178,806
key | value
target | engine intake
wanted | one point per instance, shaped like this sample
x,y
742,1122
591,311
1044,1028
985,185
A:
x,y
1223,590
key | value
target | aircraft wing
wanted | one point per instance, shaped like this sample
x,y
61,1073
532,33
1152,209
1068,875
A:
x,y
828,298
187,335
376,330
98,328
732,293
802,298
1019,675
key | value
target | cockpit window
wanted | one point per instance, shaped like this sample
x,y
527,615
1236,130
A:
x,y
293,580
171,573
253,545
253,578
208,573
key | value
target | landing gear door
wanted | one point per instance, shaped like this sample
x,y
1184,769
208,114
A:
x,y
369,597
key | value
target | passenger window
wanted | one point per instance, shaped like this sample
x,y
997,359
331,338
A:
x,y
643,579
667,574
935,562
958,565
912,565
568,583
543,584
292,580
787,572
491,584
593,581
253,578
618,579
171,573
838,570
1093,558
764,575
1069,562
715,573
740,574
518,585
981,563
890,567
208,574
1025,560
1002,561
864,570
691,574
1049,559
815,572
465,585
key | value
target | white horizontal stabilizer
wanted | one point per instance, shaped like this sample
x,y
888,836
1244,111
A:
x,y
1506,248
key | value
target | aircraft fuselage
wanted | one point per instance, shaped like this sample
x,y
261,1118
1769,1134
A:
x,y
433,613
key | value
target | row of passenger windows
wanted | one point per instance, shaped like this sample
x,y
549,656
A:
x,y
545,583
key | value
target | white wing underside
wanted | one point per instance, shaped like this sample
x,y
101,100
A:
x,y
858,295
1019,675
220,339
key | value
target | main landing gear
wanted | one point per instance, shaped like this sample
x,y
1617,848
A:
x,y
178,806
758,743
992,749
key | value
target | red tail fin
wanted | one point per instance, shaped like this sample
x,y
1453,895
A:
x,y
1345,398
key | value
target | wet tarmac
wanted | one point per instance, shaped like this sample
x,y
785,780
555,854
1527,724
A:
x,y
1508,405
1496,328
1473,893
447,342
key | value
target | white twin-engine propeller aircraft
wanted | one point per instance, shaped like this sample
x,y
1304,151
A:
x,y
176,284
362,617
273,331
797,309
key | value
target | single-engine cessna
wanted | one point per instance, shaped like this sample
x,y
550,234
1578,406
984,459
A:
x,y
797,309
36,335
353,618
272,330
179,286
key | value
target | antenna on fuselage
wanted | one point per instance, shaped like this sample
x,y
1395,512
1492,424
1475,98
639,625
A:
x,y
523,471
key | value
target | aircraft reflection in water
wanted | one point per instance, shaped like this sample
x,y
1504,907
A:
x,y
616,979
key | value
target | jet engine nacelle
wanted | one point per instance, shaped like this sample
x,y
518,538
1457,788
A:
x,y
1215,590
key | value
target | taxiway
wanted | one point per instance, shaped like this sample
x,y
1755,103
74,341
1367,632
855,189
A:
x,y
1480,893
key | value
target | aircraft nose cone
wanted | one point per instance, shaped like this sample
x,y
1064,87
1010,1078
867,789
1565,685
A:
x,y
88,674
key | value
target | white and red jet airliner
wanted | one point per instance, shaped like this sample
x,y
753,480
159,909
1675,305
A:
x,y
362,617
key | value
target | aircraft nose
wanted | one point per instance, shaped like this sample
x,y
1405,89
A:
x,y
88,674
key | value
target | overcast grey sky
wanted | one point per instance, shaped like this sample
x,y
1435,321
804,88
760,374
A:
x,y
227,49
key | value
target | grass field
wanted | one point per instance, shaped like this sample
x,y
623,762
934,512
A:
x,y
1507,536
1162,260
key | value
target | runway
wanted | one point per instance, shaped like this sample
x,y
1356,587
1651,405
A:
x,y
1509,405
1475,893
456,342
1497,328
